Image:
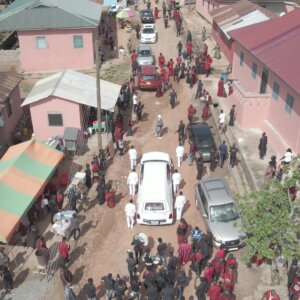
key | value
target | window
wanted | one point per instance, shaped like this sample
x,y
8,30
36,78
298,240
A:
x,y
41,42
254,70
78,41
241,58
276,88
55,119
218,31
289,103
8,107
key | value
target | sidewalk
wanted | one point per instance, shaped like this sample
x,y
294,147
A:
x,y
250,173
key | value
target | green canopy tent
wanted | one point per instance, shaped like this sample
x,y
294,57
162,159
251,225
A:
x,y
25,170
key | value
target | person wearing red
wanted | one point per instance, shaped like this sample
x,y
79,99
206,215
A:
x,y
41,243
155,13
171,67
189,48
227,295
215,290
205,48
179,61
191,112
270,295
194,75
218,264
230,278
133,56
159,92
221,252
205,112
184,251
182,230
230,261
209,272
161,60
294,290
208,63
110,197
220,87
64,249
59,198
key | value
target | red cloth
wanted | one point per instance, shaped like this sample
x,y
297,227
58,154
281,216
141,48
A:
x,y
214,292
205,48
218,264
229,262
161,60
268,296
295,287
184,251
171,67
156,13
189,49
159,91
191,110
220,88
133,57
208,273
63,249
229,280
205,112
179,60
59,198
110,199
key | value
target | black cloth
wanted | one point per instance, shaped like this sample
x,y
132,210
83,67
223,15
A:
x,y
90,290
161,249
168,293
108,282
182,280
262,147
160,282
201,290
152,293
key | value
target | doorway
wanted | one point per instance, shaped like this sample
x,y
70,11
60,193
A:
x,y
264,81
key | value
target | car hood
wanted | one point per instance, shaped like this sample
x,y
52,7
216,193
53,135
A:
x,y
227,231
145,60
148,35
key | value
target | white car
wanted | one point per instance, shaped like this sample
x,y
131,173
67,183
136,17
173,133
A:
x,y
148,34
114,9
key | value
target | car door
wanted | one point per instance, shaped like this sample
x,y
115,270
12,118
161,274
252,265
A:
x,y
203,205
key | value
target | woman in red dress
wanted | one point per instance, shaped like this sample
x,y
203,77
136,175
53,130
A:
x,y
179,61
205,112
189,48
159,92
110,197
161,60
220,88
155,13
171,67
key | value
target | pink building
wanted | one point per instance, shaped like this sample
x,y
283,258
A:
x,y
206,7
10,107
62,100
234,16
54,34
267,93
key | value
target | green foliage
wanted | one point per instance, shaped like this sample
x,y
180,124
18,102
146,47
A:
x,y
267,219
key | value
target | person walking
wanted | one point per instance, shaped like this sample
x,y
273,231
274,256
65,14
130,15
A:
x,y
64,249
130,212
181,284
90,289
191,112
161,250
232,116
159,126
65,275
179,48
215,290
233,150
214,158
133,157
199,89
179,205
131,265
173,98
88,176
270,295
223,150
176,178
200,165
262,146
109,286
221,119
132,181
192,152
179,154
171,267
7,278
202,288
52,207
180,131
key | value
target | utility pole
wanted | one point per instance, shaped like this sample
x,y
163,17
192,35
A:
x,y
97,47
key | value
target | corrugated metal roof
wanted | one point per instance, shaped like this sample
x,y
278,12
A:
x,y
9,79
75,87
50,14
275,43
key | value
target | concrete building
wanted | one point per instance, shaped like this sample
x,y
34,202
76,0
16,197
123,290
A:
x,y
267,93
53,34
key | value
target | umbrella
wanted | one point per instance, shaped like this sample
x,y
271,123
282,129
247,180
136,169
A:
x,y
125,14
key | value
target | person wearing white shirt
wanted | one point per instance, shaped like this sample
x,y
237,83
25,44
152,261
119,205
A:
x,y
133,157
45,205
134,101
221,119
287,158
179,154
132,181
179,204
176,178
130,213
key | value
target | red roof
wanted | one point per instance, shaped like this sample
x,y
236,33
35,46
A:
x,y
275,43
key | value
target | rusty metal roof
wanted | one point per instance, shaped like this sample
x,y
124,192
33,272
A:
x,y
9,79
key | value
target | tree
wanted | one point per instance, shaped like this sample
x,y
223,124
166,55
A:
x,y
269,224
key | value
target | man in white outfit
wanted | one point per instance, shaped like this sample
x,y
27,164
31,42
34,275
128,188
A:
x,y
179,154
130,213
176,178
179,204
133,157
132,181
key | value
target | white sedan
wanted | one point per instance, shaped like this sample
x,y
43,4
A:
x,y
148,34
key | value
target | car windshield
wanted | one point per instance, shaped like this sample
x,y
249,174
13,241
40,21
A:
x,y
148,77
147,13
154,206
204,142
223,213
144,53
148,30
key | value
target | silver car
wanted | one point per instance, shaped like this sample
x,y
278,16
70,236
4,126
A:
x,y
145,55
220,214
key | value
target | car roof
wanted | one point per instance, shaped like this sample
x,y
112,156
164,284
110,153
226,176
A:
x,y
217,191
155,155
202,127
144,47
148,70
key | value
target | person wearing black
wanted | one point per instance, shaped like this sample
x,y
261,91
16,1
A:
x,y
7,278
199,163
189,36
139,111
138,249
108,285
101,190
149,278
88,176
72,198
171,268
181,284
173,98
161,279
166,21
90,289
179,48
180,131
135,286
152,292
213,159
262,147
232,116
119,288
161,250
203,248
233,155
208,239
168,293
292,272
52,207
131,264
176,74
202,288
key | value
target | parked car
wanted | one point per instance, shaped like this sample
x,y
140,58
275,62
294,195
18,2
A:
x,y
114,9
148,34
155,196
145,55
146,16
220,214
148,78
201,134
